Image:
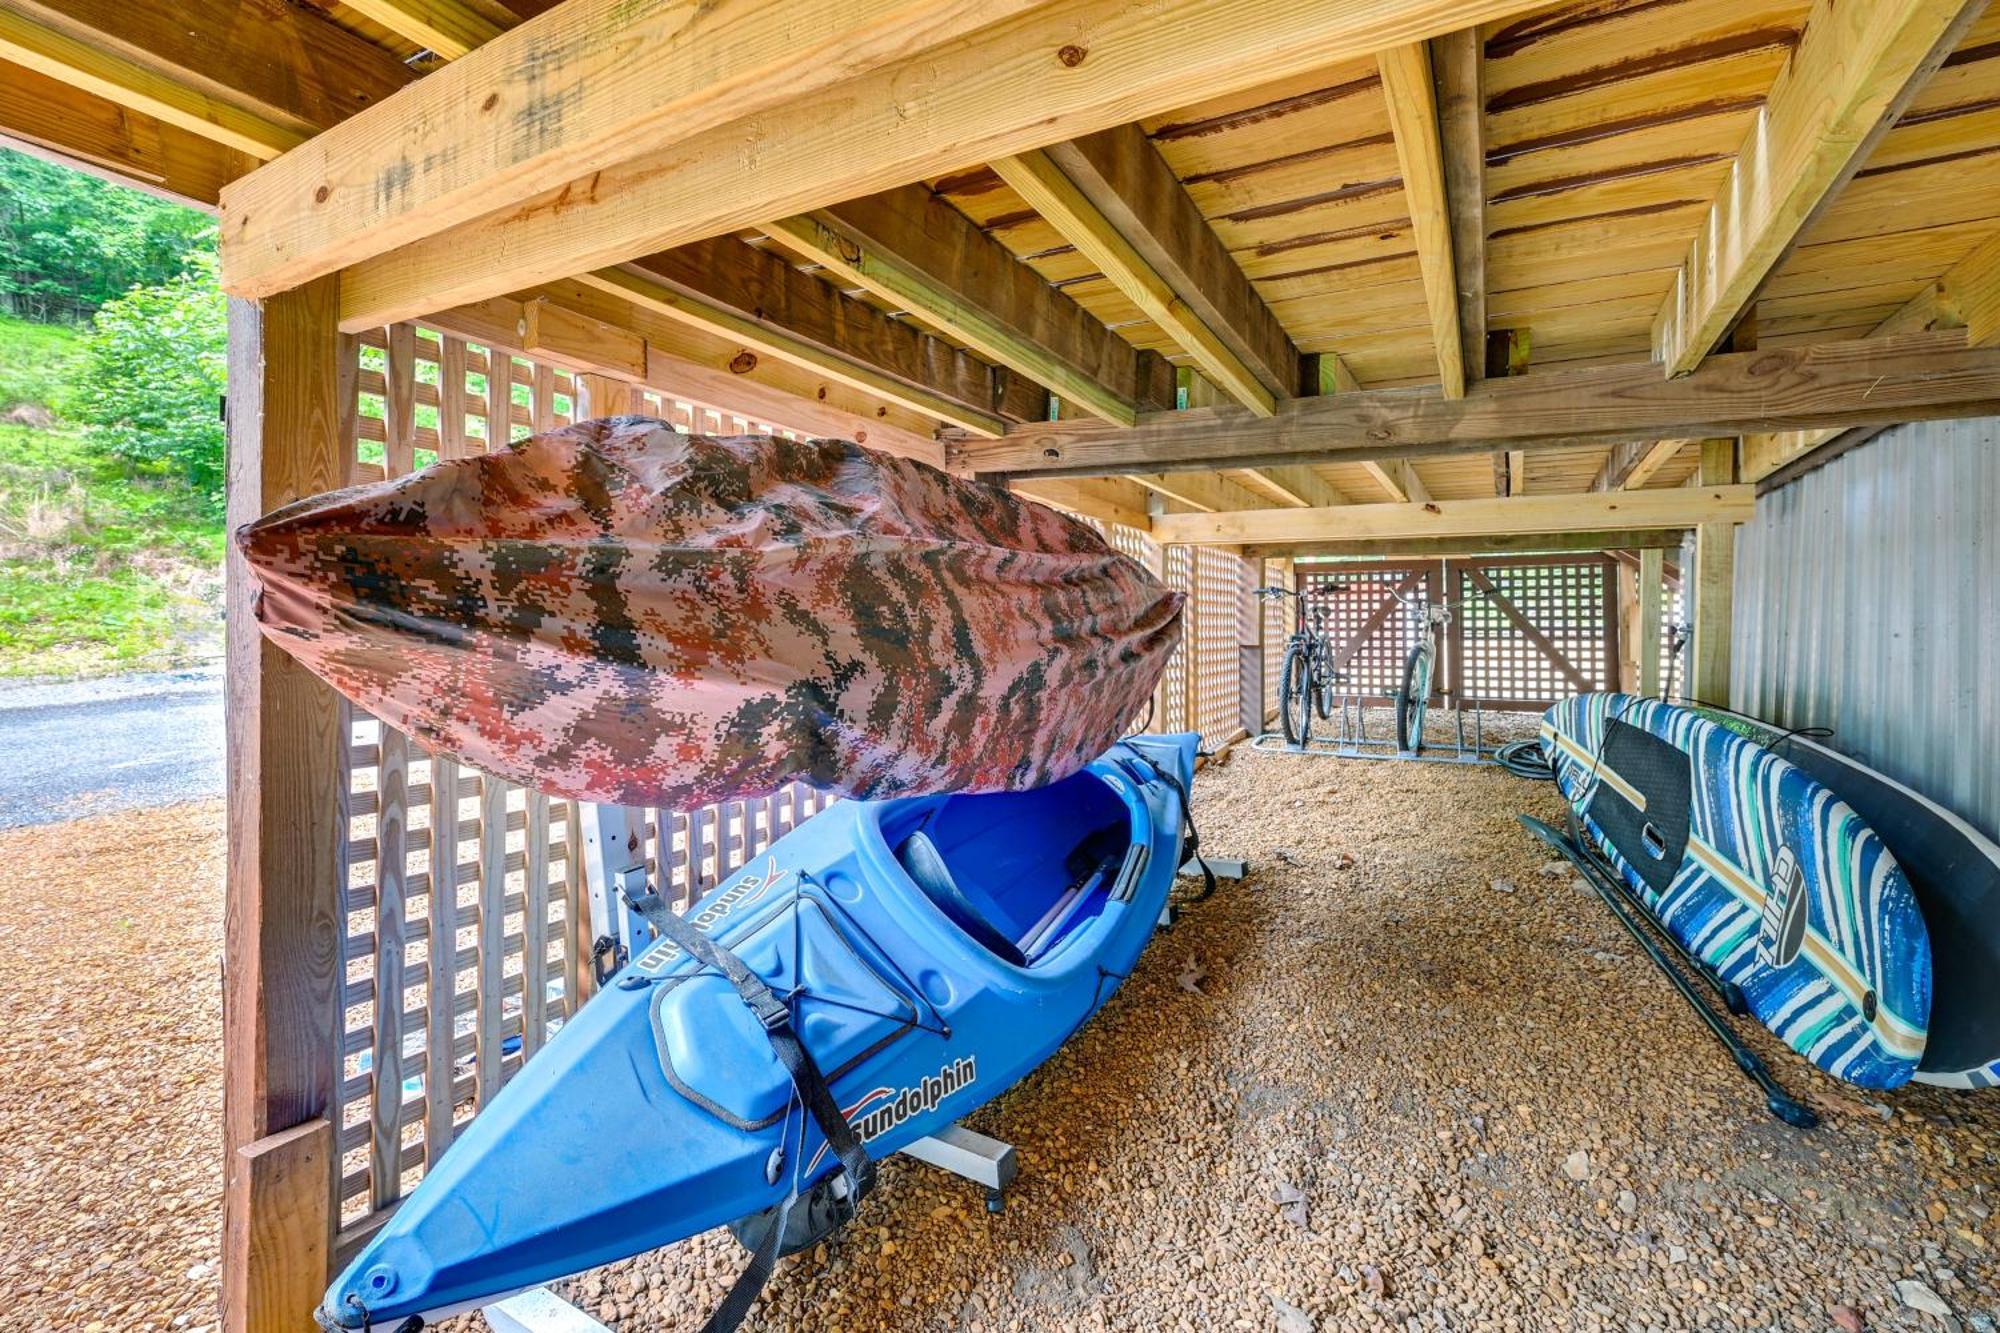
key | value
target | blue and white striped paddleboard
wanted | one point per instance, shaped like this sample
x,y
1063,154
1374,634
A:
x,y
1759,870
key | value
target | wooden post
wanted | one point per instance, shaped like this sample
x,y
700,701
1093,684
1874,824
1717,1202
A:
x,y
285,861
601,396
1628,628
1652,611
1714,577
1250,646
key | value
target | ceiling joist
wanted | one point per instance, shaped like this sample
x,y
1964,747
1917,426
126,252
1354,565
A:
x,y
1856,66
1413,115
918,252
1114,198
104,73
448,28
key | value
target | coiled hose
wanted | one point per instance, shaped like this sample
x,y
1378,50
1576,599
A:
x,y
1526,759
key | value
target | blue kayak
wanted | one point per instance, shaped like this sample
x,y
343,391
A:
x,y
930,952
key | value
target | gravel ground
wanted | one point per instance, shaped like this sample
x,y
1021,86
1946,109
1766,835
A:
x,y
1368,1087
111,1071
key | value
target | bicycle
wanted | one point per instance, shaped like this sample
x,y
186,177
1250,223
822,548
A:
x,y
1419,669
1308,681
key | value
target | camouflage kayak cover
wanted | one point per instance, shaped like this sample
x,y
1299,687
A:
x,y
618,612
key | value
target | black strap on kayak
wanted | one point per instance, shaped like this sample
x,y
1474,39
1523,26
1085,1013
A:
x,y
775,1014
1191,844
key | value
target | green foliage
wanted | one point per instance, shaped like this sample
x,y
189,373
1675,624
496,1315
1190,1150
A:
x,y
100,570
37,362
154,369
70,242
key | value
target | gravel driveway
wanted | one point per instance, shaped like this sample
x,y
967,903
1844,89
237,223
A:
x,y
118,743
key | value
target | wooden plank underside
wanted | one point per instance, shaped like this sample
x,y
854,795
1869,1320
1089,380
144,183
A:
x,y
1861,382
1637,510
1855,67
1015,84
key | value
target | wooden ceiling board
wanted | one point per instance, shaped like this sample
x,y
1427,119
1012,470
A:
x,y
1341,169
1590,247
1516,306
1691,94
1633,197
1346,281
1560,52
1360,250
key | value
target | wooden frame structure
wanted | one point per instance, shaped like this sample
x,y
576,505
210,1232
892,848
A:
x,y
1442,277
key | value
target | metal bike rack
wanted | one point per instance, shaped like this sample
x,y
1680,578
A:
x,y
1352,741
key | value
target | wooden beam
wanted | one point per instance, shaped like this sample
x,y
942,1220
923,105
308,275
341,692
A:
x,y
1633,463
285,869
917,251
1037,179
1109,499
1298,486
540,111
1854,70
53,120
1517,472
1399,478
447,28
1678,507
974,81
1115,198
1859,382
1714,579
129,84
770,339
554,333
1458,65
759,286
1203,491
287,64
1652,617
697,369
1499,543
1413,116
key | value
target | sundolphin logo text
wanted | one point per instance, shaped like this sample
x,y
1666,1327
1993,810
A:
x,y
664,952
882,1109
1782,930
907,1102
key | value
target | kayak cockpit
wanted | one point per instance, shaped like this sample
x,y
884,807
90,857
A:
x,y
1019,873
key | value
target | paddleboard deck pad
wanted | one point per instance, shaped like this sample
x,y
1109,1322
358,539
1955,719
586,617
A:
x,y
1953,868
1758,870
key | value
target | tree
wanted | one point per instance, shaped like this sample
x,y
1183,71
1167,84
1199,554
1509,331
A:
x,y
154,370
70,242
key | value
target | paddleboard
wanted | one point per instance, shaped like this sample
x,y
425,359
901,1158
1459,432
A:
x,y
1953,868
1759,870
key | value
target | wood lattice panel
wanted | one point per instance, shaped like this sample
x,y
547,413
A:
x,y
1214,696
1374,616
1528,631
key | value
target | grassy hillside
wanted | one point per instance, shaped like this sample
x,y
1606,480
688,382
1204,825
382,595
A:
x,y
101,569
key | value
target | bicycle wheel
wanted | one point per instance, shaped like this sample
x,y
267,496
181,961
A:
x,y
1413,700
1328,682
1295,705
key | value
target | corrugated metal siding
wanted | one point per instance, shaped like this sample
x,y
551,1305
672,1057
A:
x,y
1868,600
